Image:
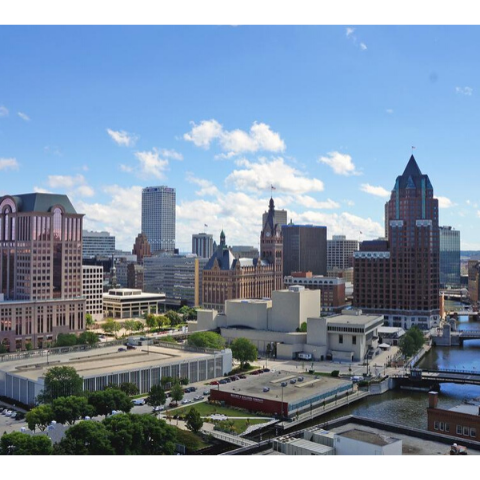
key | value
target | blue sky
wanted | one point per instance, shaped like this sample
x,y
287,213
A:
x,y
326,114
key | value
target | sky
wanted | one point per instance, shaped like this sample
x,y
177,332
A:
x,y
328,115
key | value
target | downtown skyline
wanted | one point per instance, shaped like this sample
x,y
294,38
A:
x,y
327,115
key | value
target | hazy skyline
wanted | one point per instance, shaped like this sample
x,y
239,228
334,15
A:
x,y
328,115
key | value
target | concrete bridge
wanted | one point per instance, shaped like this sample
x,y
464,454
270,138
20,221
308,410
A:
x,y
426,378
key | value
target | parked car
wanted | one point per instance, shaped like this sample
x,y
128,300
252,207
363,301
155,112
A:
x,y
206,392
300,379
193,389
139,401
233,378
223,381
20,416
13,415
131,347
122,349
266,389
7,413
198,397
214,383
293,380
186,400
159,408
265,370
227,380
242,376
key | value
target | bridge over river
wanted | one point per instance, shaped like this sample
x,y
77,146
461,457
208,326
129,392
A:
x,y
426,378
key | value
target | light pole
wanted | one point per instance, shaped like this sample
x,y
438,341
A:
x,y
283,386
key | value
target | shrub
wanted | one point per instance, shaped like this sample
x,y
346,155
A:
x,y
335,373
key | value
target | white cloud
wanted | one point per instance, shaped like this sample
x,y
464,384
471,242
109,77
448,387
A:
x,y
151,165
126,168
340,163
171,154
122,138
389,111
378,191
3,111
202,135
444,202
349,34
234,142
207,187
310,202
120,215
8,164
464,90
259,176
24,116
74,186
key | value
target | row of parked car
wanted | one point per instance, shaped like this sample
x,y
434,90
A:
x,y
12,413
258,372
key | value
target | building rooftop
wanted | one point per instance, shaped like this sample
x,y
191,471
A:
x,y
352,319
468,408
253,386
369,437
42,202
107,360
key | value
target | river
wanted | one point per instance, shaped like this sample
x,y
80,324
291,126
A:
x,y
409,408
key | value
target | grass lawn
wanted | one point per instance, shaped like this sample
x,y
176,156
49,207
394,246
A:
x,y
241,425
205,409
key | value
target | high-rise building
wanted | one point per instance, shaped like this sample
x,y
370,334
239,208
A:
x,y
97,244
202,244
271,243
340,252
178,276
449,257
304,249
41,269
474,281
245,251
141,248
399,276
93,290
158,218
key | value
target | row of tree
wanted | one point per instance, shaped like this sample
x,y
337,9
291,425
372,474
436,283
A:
x,y
411,342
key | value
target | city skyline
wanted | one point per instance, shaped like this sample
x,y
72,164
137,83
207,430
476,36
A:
x,y
327,115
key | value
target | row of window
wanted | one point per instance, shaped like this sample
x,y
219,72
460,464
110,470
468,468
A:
x,y
460,430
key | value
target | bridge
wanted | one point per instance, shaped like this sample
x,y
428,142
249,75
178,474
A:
x,y
466,313
433,377
469,335
235,439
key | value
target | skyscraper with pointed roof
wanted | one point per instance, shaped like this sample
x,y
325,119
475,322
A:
x,y
399,276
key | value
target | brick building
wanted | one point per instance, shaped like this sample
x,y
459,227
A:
x,y
399,276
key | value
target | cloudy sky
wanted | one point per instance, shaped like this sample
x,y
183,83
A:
x,y
328,115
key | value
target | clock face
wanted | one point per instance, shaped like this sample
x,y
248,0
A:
x,y
267,234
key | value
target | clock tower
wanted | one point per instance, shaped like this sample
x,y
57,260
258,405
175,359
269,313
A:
x,y
271,246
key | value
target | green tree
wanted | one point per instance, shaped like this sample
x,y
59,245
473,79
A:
x,y
66,340
40,417
105,401
166,382
206,340
130,325
151,321
174,318
407,345
139,326
67,410
87,338
3,348
156,397
89,321
129,388
243,350
163,321
61,382
177,392
111,326
17,443
193,420
85,438
140,435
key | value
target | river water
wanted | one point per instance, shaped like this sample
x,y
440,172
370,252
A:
x,y
409,408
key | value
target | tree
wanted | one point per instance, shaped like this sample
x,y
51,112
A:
x,y
163,321
130,325
151,321
177,392
89,321
111,326
85,438
67,410
140,435
104,402
193,420
40,417
87,338
174,318
166,382
17,443
156,396
243,350
129,388
139,326
61,382
66,340
411,342
206,340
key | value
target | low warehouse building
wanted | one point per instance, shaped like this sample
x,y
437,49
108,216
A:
x,y
23,379
281,393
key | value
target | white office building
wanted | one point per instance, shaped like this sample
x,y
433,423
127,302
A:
x,y
93,290
158,218
97,244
